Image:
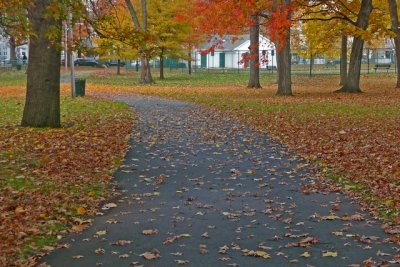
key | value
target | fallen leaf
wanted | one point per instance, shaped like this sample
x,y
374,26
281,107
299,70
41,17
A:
x,y
182,262
150,232
305,255
99,251
77,257
121,242
81,211
112,221
176,253
109,206
79,228
102,232
330,254
151,255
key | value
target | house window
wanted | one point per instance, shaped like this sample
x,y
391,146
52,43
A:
x,y
212,53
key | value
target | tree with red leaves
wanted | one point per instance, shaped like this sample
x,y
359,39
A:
x,y
235,17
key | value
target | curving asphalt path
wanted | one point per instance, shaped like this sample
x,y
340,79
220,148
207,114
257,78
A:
x,y
214,192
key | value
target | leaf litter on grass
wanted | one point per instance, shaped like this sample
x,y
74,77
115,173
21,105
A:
x,y
58,175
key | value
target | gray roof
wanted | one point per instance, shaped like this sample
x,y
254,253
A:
x,y
225,42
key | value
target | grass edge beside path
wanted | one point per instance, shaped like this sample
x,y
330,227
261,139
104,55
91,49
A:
x,y
53,180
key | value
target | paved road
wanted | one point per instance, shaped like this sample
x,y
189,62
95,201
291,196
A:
x,y
213,192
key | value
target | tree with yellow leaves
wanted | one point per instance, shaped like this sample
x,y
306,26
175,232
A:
x,y
169,32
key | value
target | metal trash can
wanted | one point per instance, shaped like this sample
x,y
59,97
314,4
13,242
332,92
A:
x,y
80,87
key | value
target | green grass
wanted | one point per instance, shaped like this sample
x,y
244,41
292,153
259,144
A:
x,y
179,78
10,111
83,112
37,242
78,112
13,78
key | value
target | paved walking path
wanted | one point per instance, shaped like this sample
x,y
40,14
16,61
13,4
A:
x,y
213,192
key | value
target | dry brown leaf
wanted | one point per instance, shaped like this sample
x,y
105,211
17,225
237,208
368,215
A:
x,y
151,255
150,232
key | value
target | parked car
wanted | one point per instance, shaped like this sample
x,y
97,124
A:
x,y
114,62
86,62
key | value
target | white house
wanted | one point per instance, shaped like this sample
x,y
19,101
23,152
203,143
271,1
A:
x,y
5,52
230,51
4,49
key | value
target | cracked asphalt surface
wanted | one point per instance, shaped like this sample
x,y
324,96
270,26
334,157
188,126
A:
x,y
210,191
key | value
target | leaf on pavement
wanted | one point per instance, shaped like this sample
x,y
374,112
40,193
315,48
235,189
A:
x,y
151,255
150,232
330,254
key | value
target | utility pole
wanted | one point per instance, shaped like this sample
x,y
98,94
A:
x,y
71,58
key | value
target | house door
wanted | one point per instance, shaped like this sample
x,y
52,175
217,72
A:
x,y
222,60
204,61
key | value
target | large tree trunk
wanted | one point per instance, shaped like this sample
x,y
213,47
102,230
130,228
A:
x,y
394,17
352,84
284,68
145,75
254,79
343,61
161,68
13,55
42,104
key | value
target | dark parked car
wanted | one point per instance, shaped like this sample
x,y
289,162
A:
x,y
114,62
86,62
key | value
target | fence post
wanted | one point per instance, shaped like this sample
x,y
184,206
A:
x,y
238,67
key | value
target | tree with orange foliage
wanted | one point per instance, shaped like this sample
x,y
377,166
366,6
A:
x,y
235,17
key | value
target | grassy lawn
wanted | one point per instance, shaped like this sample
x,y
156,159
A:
x,y
50,179
354,139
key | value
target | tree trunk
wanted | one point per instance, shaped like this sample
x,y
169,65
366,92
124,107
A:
x,y
145,75
343,61
119,67
161,68
311,64
284,67
283,59
42,104
13,55
190,63
254,79
397,48
352,84
394,17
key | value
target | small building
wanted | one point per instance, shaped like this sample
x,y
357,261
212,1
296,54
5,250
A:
x,y
4,49
232,51
5,52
